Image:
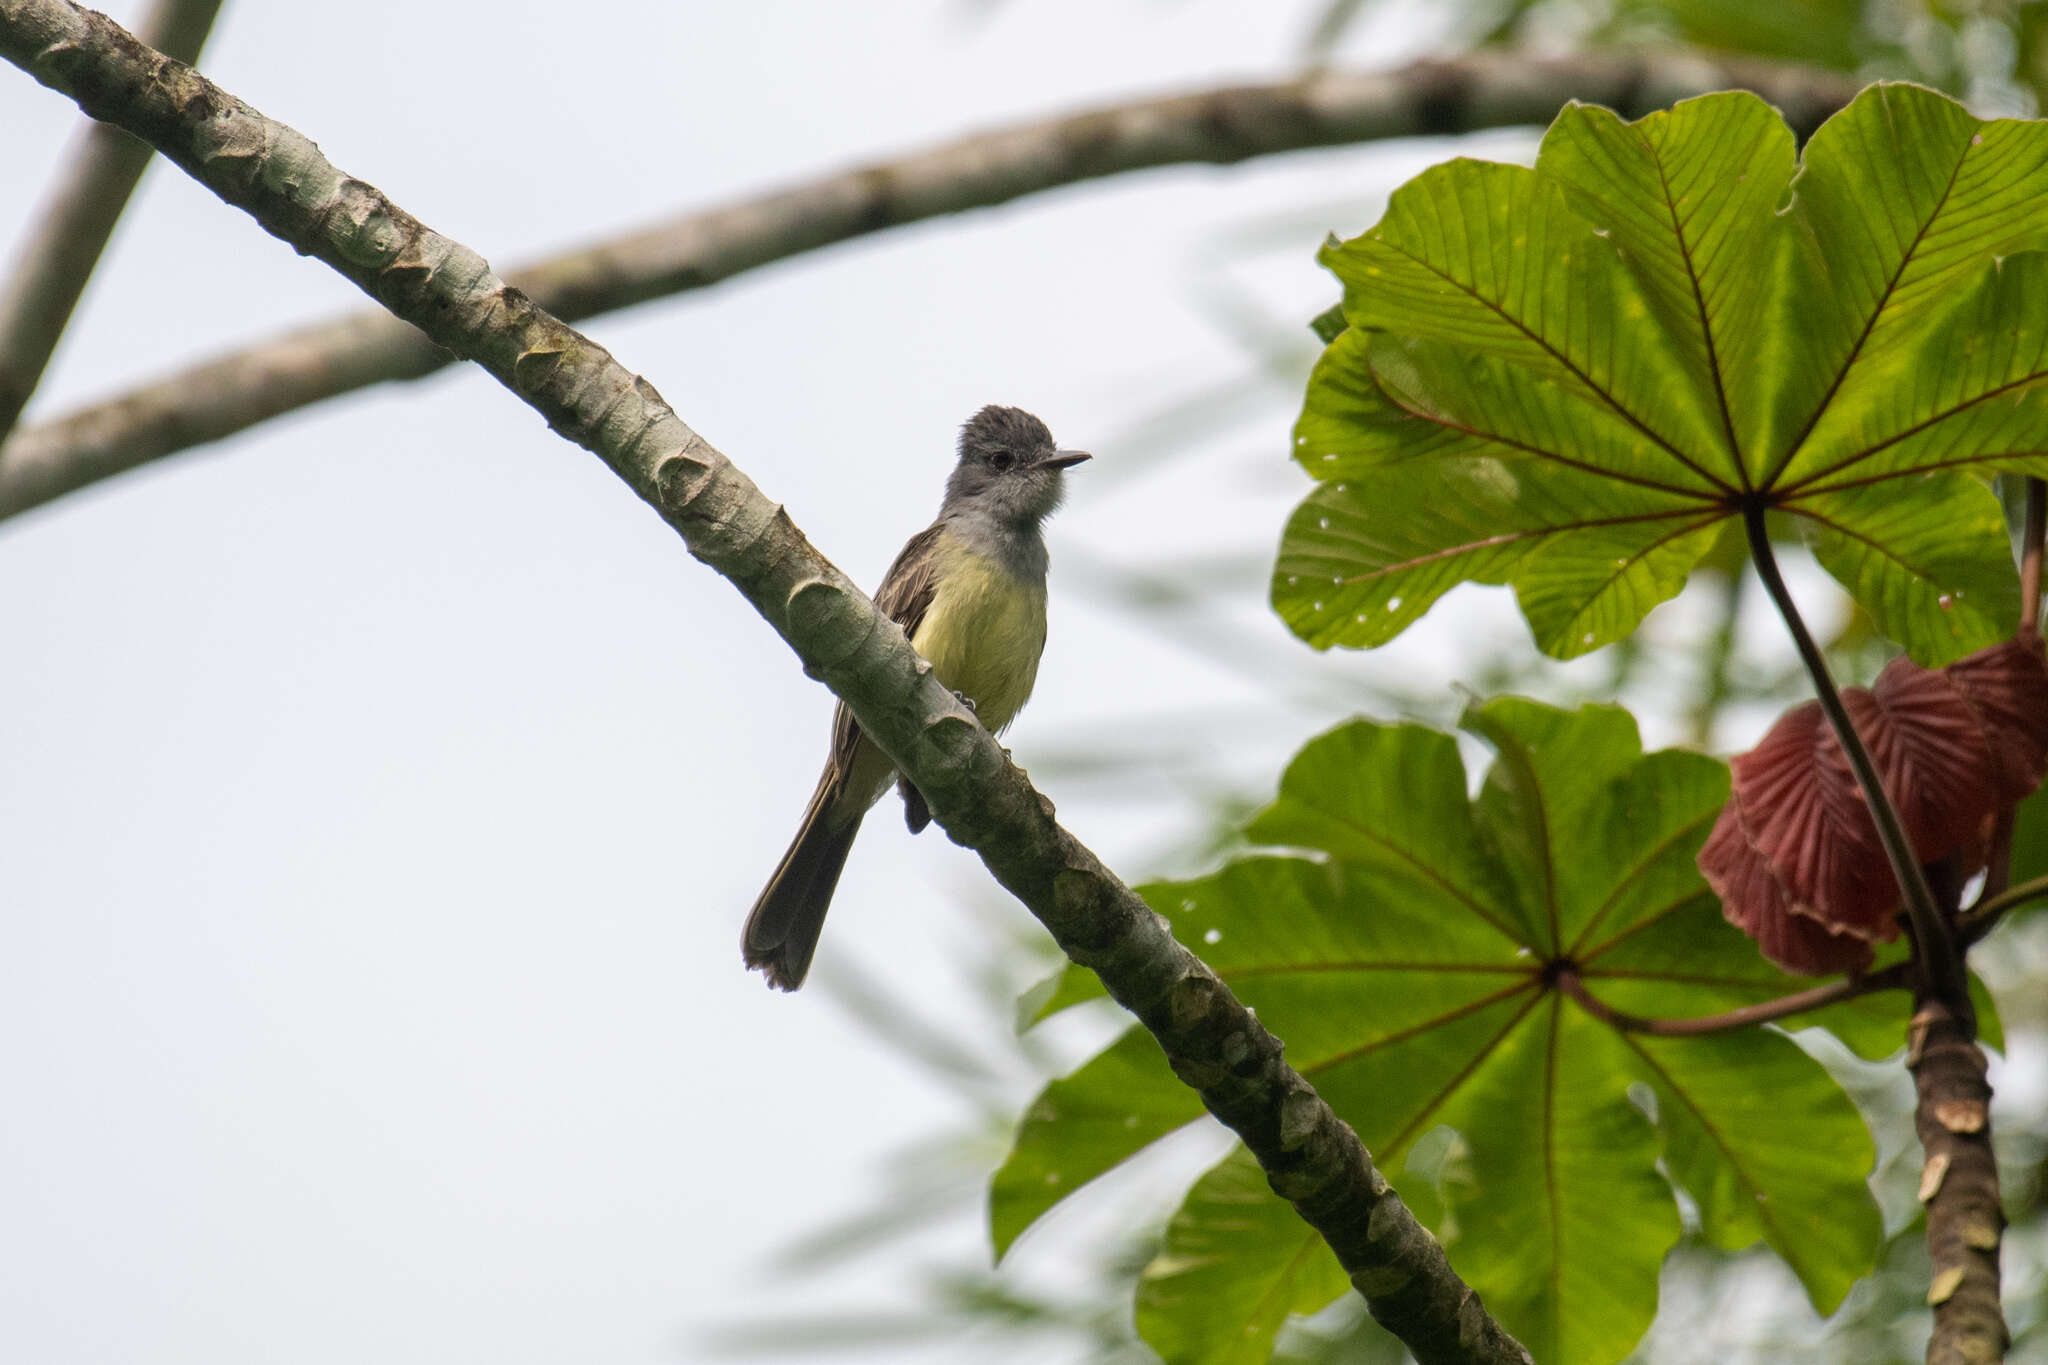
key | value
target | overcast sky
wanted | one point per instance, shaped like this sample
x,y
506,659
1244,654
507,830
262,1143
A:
x,y
384,788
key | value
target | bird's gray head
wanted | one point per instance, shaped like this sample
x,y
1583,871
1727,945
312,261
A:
x,y
1009,468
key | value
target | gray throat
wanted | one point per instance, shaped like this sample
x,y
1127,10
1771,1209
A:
x,y
1018,546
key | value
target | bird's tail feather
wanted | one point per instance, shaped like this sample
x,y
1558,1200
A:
x,y
782,930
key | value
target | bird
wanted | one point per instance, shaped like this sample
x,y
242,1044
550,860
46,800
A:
x,y
969,591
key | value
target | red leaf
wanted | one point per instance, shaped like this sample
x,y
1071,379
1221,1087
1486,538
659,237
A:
x,y
1802,812
2007,686
1755,902
1796,857
1931,751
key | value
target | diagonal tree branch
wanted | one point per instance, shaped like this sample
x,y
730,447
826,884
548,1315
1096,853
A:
x,y
230,393
984,801
64,246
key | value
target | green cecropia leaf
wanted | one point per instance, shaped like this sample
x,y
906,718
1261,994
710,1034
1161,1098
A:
x,y
1569,378
1412,957
1235,1254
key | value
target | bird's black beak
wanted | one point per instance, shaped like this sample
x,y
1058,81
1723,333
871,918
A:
x,y
1062,459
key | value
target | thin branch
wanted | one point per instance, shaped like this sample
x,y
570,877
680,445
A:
x,y
1934,943
233,392
1215,1044
1991,907
64,246
1895,977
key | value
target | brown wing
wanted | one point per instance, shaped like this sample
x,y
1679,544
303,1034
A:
x,y
906,591
905,596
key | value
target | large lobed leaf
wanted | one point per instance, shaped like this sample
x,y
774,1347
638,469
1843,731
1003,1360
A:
x,y
1234,1254
1413,965
1566,378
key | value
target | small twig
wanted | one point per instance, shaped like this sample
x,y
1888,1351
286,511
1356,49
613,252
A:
x,y
1934,944
1992,905
1895,977
52,267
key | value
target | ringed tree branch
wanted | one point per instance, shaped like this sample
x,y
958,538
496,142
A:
x,y
1958,1172
1959,1186
1215,1045
64,245
229,393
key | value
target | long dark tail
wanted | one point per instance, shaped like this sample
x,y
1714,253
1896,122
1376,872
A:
x,y
782,931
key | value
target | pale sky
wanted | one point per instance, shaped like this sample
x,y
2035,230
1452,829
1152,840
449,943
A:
x,y
385,788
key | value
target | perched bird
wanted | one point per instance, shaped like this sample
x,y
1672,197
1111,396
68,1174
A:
x,y
969,591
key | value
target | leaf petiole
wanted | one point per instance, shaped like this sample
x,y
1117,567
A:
x,y
1934,946
1894,977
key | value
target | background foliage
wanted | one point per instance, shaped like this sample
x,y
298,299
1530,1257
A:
x,y
1718,1302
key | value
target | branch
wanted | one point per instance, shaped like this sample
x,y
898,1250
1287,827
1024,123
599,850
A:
x,y
52,267
1215,1045
1935,945
233,392
1959,1186
1983,917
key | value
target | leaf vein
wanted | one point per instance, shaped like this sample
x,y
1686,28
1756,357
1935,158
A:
x,y
1636,873
1547,348
1885,295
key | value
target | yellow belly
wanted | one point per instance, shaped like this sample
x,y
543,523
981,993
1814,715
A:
x,y
983,633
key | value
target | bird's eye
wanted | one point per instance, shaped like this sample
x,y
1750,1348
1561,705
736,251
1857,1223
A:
x,y
1002,459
